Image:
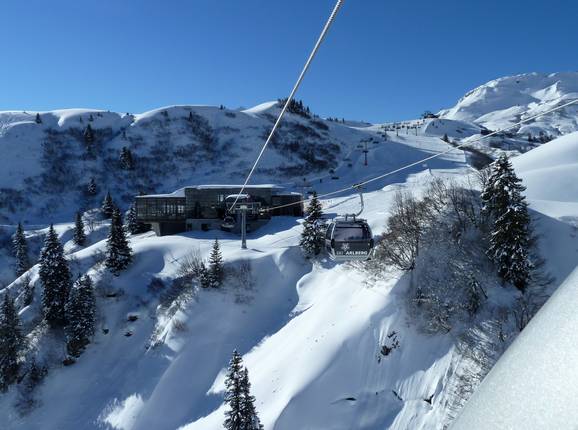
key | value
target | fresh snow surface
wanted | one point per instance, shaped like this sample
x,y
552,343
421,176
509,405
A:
x,y
535,383
550,172
310,335
504,101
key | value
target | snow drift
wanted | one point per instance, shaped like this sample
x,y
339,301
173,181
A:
x,y
535,383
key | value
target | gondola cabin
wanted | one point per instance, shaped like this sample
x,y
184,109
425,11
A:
x,y
349,238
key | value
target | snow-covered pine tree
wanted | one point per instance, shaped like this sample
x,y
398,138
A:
x,y
11,342
80,316
250,417
89,134
510,233
20,251
234,417
133,225
79,236
204,276
55,278
216,272
118,251
108,206
91,188
126,160
313,228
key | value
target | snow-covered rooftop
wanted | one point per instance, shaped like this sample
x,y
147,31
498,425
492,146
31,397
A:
x,y
181,192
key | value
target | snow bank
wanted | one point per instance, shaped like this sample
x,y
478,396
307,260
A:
x,y
550,173
535,383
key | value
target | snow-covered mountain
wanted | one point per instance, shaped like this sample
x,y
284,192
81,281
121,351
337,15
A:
x,y
502,102
49,158
328,346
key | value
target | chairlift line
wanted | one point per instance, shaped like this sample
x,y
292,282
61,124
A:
x,y
292,94
439,154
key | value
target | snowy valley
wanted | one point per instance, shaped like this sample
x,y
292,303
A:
x,y
365,345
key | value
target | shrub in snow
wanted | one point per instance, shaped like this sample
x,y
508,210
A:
x,y
11,342
20,251
313,233
241,413
55,278
156,285
399,245
80,316
190,265
35,374
118,251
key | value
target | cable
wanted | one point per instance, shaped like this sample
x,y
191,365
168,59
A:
x,y
291,95
439,154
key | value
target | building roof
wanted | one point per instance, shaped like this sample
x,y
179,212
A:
x,y
181,192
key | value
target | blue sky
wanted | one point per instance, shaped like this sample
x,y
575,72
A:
x,y
383,60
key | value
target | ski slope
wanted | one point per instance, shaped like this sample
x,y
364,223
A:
x,y
309,334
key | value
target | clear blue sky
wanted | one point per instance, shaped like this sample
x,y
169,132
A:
x,y
383,60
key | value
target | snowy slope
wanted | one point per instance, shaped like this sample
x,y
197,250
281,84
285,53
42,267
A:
x,y
504,101
535,383
550,172
309,334
172,147
310,338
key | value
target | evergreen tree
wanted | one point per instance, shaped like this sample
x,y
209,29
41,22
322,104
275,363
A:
x,y
80,316
313,228
38,120
504,202
88,134
91,188
250,417
241,413
133,225
445,138
20,251
234,418
204,276
11,342
55,278
108,206
118,252
79,236
216,272
126,160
